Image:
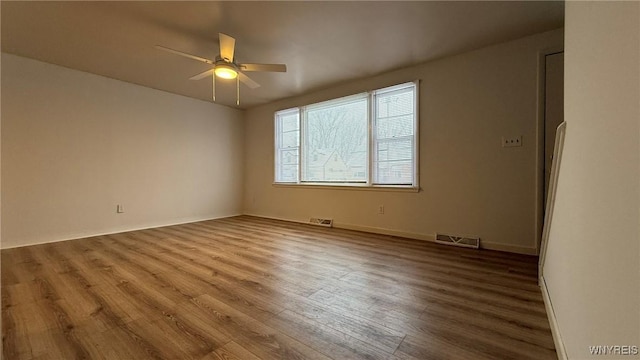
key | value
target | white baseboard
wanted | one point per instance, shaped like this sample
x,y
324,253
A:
x,y
384,231
111,232
410,235
553,322
279,218
369,229
508,248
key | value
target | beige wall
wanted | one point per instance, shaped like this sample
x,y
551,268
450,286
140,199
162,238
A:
x,y
592,269
470,184
74,145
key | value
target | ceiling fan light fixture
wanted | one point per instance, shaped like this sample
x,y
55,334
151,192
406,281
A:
x,y
225,71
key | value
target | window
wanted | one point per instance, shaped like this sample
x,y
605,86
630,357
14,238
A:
x,y
394,136
367,139
287,146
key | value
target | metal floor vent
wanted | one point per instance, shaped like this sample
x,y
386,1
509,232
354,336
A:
x,y
321,222
470,242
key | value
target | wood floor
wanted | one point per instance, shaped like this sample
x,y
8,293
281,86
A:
x,y
250,288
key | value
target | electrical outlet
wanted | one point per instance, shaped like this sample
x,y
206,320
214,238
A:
x,y
512,141
381,209
119,209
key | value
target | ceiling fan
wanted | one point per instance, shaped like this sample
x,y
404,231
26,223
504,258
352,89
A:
x,y
225,67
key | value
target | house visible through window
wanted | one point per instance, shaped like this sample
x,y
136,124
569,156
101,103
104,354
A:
x,y
364,139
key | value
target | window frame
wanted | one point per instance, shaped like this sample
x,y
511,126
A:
x,y
372,142
278,149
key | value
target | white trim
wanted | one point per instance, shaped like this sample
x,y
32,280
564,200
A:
x,y
553,322
277,149
385,231
79,236
508,248
278,218
369,229
371,145
540,135
352,186
416,135
409,235
551,195
302,159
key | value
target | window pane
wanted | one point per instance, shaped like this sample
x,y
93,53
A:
x,y
396,149
394,126
289,173
394,136
335,148
290,122
290,139
289,157
395,172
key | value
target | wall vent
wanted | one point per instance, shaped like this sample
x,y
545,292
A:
x,y
455,240
321,222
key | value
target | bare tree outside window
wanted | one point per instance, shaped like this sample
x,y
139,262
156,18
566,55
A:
x,y
336,142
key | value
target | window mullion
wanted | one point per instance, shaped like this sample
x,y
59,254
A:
x,y
370,137
301,141
416,134
278,163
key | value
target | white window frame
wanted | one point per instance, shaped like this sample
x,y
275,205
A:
x,y
373,140
278,150
371,144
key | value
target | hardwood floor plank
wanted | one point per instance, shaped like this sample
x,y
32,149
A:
x,y
367,331
122,305
117,343
53,344
253,288
175,339
532,313
253,335
325,339
231,351
436,348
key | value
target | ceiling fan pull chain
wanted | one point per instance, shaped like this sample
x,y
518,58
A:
x,y
213,87
238,91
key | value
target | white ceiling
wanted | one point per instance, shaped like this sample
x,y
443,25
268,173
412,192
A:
x,y
322,43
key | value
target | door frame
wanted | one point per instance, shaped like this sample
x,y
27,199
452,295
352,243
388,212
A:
x,y
540,137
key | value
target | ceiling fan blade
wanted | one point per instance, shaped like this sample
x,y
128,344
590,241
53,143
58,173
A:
x,y
185,54
263,67
227,47
202,75
247,81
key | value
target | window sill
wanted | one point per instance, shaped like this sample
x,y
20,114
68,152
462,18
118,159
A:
x,y
398,188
